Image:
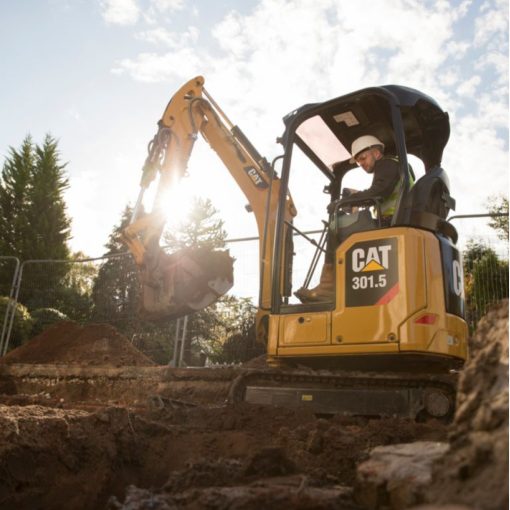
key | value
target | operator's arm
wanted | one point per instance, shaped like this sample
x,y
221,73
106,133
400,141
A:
x,y
386,177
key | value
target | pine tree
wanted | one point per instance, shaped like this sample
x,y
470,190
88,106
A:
x,y
14,184
34,223
116,289
116,294
46,213
14,199
201,229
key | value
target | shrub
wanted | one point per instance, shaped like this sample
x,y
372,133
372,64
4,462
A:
x,y
44,317
22,324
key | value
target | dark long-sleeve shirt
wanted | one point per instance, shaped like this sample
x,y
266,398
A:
x,y
386,177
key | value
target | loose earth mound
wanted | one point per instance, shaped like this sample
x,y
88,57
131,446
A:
x,y
70,343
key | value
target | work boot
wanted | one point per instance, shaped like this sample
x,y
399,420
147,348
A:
x,y
325,291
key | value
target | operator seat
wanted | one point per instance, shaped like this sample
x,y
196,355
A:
x,y
429,202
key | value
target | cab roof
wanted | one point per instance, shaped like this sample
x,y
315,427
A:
x,y
325,131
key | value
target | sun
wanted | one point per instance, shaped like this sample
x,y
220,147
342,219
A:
x,y
177,203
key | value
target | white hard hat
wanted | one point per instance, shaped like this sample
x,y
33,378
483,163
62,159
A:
x,y
363,143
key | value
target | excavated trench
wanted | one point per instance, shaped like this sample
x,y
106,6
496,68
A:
x,y
75,437
82,430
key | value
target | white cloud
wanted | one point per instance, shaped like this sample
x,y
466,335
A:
x,y
167,5
463,8
159,11
492,24
164,37
491,113
498,61
457,49
74,113
152,67
469,87
449,77
120,12
285,53
477,162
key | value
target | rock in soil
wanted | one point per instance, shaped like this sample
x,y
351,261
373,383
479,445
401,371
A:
x,y
396,475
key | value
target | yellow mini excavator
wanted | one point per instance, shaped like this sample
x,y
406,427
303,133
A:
x,y
390,336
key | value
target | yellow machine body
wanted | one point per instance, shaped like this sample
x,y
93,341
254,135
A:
x,y
408,318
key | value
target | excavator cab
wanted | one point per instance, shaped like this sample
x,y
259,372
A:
x,y
391,333
397,288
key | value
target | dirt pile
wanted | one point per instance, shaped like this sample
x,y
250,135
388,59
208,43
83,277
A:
x,y
70,343
475,470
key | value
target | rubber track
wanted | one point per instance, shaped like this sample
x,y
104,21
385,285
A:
x,y
275,377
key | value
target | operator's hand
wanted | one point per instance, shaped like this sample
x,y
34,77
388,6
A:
x,y
332,206
348,192
336,204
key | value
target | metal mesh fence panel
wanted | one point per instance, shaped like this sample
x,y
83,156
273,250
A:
x,y
485,255
246,267
103,290
106,290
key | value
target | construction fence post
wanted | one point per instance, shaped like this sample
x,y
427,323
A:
x,y
10,309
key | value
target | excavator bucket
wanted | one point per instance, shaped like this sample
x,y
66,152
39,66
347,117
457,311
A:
x,y
183,282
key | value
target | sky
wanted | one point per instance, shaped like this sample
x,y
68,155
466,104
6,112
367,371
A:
x,y
97,75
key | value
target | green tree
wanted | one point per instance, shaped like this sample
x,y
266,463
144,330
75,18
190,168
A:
x,y
499,205
238,341
486,280
43,318
14,189
74,297
46,212
34,222
115,292
201,229
22,322
14,198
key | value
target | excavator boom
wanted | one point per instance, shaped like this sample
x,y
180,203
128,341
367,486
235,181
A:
x,y
191,279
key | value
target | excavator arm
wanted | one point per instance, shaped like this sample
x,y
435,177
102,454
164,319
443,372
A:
x,y
191,279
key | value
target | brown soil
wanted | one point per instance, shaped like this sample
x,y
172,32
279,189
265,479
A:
x,y
70,343
58,453
224,457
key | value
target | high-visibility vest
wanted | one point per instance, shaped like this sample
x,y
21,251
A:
x,y
389,203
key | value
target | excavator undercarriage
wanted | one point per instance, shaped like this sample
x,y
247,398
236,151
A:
x,y
403,395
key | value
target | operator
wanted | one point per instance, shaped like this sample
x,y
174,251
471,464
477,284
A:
x,y
368,152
